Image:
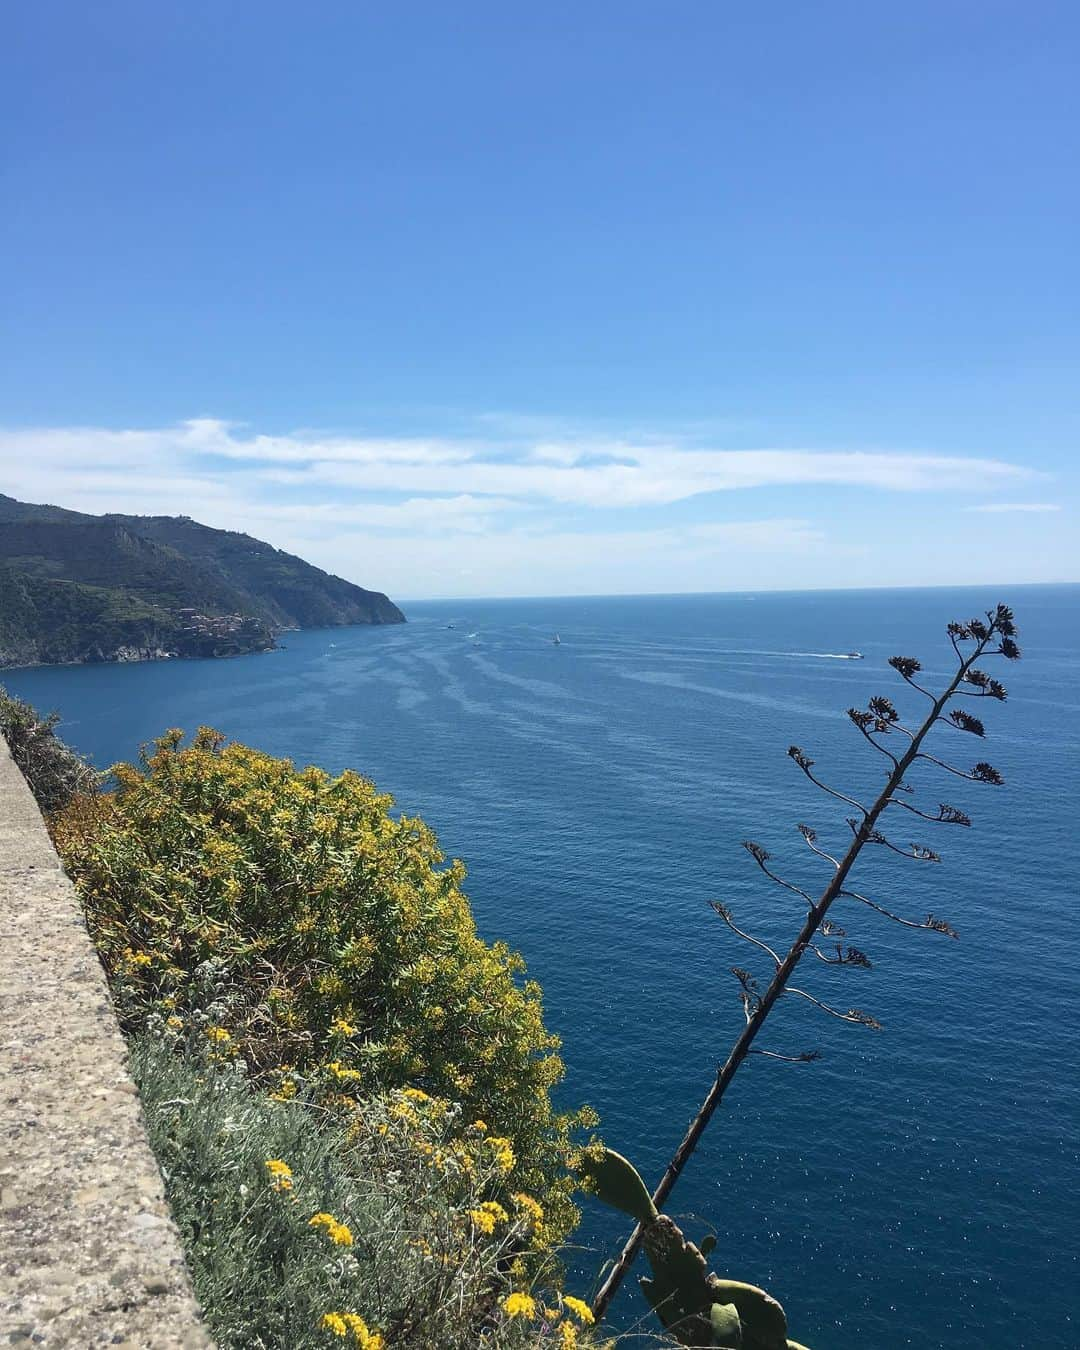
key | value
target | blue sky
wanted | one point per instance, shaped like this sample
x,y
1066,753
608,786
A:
x,y
505,299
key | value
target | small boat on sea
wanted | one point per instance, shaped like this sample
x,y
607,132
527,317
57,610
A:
x,y
854,656
556,640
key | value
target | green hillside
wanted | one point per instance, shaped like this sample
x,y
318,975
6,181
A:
x,y
291,591
76,587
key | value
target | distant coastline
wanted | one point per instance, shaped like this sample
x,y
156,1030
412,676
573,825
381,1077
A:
x,y
78,589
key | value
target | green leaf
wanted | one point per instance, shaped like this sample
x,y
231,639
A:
x,y
618,1183
726,1326
763,1322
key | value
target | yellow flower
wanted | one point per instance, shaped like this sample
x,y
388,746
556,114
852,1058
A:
x,y
416,1095
218,1035
482,1220
345,1323
580,1309
339,1233
519,1305
342,1072
364,1338
176,1023
568,1336
281,1177
502,1153
340,1027
531,1208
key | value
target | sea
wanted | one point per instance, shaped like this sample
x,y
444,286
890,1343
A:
x,y
915,1186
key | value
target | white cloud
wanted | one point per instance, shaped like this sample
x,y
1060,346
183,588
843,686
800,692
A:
x,y
591,474
603,473
529,509
463,513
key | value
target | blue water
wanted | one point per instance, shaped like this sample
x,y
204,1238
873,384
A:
x,y
916,1187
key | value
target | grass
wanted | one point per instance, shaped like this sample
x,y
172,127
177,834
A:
x,y
402,1248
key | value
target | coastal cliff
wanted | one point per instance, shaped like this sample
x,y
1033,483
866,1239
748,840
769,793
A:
x,y
83,588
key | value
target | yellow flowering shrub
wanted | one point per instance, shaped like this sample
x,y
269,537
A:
x,y
326,942
312,1231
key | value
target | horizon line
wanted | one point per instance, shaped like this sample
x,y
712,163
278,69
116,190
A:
x,y
761,590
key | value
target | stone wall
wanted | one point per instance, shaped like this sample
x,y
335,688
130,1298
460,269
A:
x,y
88,1253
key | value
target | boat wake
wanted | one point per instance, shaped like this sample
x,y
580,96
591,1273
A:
x,y
803,656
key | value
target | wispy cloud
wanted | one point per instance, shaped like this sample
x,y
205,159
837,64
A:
x,y
595,474
527,507
463,513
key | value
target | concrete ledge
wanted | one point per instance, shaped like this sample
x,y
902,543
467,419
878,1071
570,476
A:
x,y
89,1255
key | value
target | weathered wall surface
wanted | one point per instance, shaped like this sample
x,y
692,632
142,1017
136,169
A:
x,y
88,1253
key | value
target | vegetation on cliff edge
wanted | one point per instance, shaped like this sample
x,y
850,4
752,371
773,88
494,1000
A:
x,y
282,926
53,770
305,1230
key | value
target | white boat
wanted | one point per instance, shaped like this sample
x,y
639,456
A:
x,y
854,656
557,640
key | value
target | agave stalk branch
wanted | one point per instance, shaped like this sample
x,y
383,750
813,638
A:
x,y
728,918
936,925
864,832
946,814
851,1015
917,852
810,838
